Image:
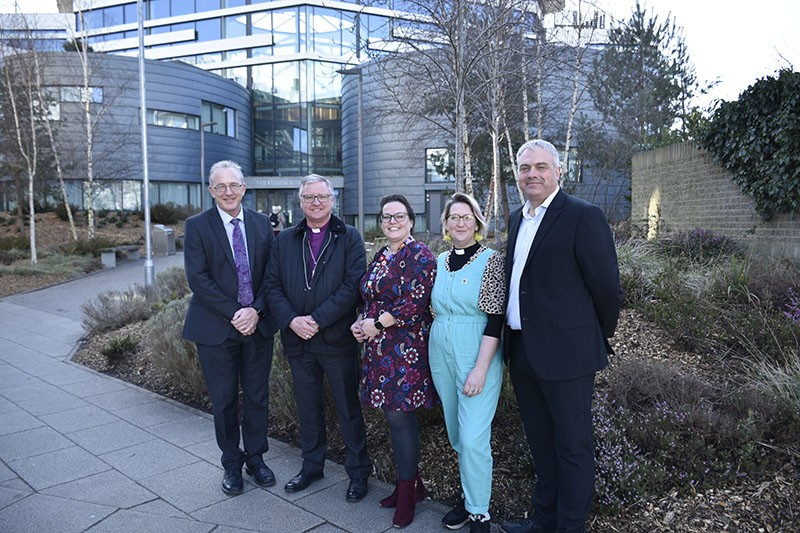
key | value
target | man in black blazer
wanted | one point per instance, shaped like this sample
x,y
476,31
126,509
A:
x,y
564,298
226,250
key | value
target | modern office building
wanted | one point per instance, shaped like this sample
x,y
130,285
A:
x,y
294,59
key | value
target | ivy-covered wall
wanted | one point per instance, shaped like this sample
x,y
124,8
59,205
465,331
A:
x,y
679,188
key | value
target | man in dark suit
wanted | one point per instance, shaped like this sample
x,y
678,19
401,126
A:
x,y
226,250
564,298
312,286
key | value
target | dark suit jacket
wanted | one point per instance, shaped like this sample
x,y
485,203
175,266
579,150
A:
x,y
211,272
570,294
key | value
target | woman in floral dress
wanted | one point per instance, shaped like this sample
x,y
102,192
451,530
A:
x,y
393,325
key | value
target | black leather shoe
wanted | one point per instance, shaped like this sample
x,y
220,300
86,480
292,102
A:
x,y
232,483
357,490
302,480
525,526
262,475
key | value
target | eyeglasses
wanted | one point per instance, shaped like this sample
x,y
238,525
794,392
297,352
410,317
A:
x,y
398,217
234,187
321,198
455,219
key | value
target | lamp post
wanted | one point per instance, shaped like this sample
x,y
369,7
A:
x,y
203,163
149,267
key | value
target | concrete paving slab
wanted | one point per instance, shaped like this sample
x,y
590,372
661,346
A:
x,y
16,421
259,510
191,487
46,367
148,459
99,384
109,437
186,430
25,387
324,528
122,398
79,418
132,521
106,488
71,374
11,496
16,484
42,513
161,508
6,473
7,405
31,442
60,466
55,403
151,414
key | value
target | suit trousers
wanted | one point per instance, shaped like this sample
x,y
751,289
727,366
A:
x,y
308,374
240,361
557,416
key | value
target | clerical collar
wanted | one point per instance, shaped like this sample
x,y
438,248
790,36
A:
x,y
469,249
315,230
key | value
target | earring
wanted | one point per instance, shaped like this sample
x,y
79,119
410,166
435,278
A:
x,y
478,237
447,238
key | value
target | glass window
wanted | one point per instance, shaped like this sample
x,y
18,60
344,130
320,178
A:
x,y
224,119
326,32
327,81
158,9
571,166
206,5
77,94
182,7
286,34
173,120
107,195
113,16
131,13
233,3
348,35
286,82
182,26
177,193
235,26
439,165
208,30
131,195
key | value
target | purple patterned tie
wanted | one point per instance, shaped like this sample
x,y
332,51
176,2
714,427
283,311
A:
x,y
242,266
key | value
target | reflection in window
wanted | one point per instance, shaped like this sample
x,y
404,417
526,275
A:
x,y
287,39
439,165
79,94
571,166
171,119
224,119
235,26
208,30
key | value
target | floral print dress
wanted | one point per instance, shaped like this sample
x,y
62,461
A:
x,y
395,373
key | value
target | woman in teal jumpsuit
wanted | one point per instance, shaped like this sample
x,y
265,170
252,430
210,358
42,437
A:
x,y
464,353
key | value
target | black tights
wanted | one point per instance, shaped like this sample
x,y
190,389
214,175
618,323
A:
x,y
404,430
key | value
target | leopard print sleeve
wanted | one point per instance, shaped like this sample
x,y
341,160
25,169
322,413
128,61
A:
x,y
492,295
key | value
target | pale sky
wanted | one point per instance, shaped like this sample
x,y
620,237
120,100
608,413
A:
x,y
735,41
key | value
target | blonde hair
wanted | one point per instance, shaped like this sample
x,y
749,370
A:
x,y
462,198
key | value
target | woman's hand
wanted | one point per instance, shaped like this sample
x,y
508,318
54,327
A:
x,y
474,383
358,331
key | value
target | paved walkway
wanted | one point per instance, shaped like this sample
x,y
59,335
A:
x,y
81,451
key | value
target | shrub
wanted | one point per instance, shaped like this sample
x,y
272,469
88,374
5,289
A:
x,y
792,311
169,213
173,354
171,284
699,245
120,347
60,211
112,310
86,246
19,242
621,472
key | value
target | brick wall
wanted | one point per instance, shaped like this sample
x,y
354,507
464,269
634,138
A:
x,y
679,188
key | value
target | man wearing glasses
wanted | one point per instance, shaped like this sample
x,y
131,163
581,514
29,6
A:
x,y
226,251
312,289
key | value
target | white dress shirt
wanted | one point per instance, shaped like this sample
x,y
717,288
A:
x,y
528,226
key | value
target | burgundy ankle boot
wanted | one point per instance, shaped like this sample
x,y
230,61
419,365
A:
x,y
406,502
391,500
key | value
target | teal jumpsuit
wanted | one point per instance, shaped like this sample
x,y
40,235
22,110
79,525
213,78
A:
x,y
455,338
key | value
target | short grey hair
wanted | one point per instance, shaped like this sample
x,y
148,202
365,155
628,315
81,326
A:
x,y
461,198
544,145
222,165
314,178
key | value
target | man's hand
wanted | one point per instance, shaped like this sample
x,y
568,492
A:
x,y
245,320
304,327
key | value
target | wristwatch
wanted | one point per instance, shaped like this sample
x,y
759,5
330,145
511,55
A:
x,y
379,325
